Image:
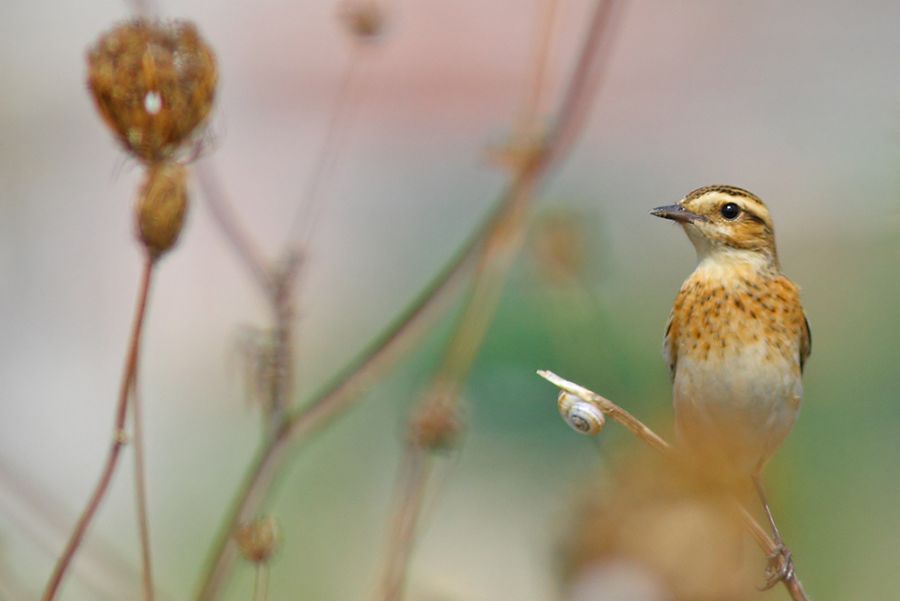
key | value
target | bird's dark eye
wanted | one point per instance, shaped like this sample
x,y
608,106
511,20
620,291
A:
x,y
730,211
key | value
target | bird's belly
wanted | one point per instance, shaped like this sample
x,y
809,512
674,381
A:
x,y
736,405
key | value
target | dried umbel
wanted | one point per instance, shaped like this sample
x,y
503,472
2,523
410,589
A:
x,y
257,539
153,83
161,207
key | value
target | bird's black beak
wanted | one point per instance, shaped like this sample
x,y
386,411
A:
x,y
677,213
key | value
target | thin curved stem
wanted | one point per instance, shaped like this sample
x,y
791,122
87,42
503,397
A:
x,y
118,440
644,433
543,37
412,485
310,207
334,398
225,218
140,492
299,425
499,253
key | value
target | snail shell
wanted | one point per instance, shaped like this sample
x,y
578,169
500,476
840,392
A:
x,y
583,417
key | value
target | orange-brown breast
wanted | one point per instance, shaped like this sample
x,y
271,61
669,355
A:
x,y
713,318
735,344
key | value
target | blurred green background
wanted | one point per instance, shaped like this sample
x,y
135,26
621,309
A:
x,y
798,102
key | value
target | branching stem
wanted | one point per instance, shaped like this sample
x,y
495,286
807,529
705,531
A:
x,y
502,246
300,424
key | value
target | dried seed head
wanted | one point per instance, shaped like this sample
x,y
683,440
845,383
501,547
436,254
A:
x,y
257,539
153,84
436,426
161,207
363,19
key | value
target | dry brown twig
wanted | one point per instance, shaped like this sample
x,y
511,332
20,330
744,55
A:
x,y
435,423
140,491
646,435
118,439
154,102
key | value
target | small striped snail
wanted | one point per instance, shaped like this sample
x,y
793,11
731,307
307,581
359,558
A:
x,y
583,417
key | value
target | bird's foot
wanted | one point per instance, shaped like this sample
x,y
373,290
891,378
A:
x,y
780,567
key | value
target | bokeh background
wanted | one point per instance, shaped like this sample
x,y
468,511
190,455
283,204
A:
x,y
798,102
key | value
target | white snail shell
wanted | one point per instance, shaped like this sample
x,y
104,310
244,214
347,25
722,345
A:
x,y
583,417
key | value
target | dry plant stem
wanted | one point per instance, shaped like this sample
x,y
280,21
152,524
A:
x,y
337,396
385,349
586,80
224,217
645,434
544,34
145,9
261,582
310,203
412,485
103,572
634,425
140,491
281,379
501,248
118,440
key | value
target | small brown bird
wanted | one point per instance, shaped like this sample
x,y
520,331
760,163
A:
x,y
736,342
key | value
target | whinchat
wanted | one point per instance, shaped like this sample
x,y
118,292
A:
x,y
736,341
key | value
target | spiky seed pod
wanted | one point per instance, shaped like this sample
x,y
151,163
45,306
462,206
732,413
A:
x,y
161,207
153,83
257,539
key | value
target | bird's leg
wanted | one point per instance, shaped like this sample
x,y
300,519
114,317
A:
x,y
781,565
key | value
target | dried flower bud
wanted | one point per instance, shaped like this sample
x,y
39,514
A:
x,y
257,539
153,84
161,207
436,426
363,19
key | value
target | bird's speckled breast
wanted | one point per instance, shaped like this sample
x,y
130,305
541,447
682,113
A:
x,y
734,346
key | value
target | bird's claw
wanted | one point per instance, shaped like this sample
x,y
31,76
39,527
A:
x,y
780,567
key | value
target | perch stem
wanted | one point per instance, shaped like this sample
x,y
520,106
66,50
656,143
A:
x,y
642,432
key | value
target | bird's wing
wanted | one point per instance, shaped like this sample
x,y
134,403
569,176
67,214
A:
x,y
670,349
789,294
805,343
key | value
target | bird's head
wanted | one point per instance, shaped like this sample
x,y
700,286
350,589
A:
x,y
725,222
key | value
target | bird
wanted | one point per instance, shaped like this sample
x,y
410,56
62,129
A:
x,y
736,344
